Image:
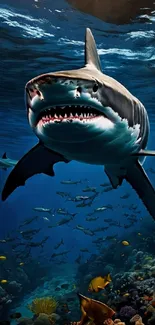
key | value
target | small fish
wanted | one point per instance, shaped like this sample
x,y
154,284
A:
x,y
88,232
28,221
125,243
70,182
78,259
81,198
100,229
64,221
65,213
41,209
59,254
111,237
15,315
3,281
84,204
105,184
101,209
59,244
99,283
84,250
6,162
91,218
2,258
107,189
63,194
125,196
108,220
89,189
21,263
126,294
46,219
98,240
65,286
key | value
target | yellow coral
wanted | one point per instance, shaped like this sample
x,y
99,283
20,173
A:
x,y
45,305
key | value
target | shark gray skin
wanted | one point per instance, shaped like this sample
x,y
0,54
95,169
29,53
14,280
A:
x,y
87,116
6,162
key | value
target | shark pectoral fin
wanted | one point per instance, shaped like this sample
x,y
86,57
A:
x,y
144,153
139,180
113,178
38,160
91,55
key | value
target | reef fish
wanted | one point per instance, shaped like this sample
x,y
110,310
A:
x,y
2,258
66,107
94,310
99,283
125,243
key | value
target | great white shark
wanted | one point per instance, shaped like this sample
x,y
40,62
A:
x,y
87,116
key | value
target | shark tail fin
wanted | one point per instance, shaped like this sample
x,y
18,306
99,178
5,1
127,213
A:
x,y
91,55
139,180
144,153
4,155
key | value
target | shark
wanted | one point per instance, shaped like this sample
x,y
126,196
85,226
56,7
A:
x,y
6,162
86,116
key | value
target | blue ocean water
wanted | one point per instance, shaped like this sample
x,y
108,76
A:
x,y
43,36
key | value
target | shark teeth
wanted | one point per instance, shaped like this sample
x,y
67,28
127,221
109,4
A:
x,y
69,113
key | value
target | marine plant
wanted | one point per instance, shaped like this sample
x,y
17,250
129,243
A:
x,y
46,305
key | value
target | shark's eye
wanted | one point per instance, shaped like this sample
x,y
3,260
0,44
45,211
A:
x,y
95,88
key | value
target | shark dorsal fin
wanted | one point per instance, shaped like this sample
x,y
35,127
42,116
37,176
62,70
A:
x,y
91,55
4,155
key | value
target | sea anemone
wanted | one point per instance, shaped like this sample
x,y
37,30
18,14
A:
x,y
45,305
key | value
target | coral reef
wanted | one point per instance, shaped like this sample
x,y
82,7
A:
x,y
45,305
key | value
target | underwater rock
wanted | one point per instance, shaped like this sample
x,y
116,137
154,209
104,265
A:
x,y
2,292
127,312
22,276
14,288
151,321
55,316
139,256
44,319
25,321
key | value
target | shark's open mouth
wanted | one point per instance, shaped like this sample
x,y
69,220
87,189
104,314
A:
x,y
58,114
